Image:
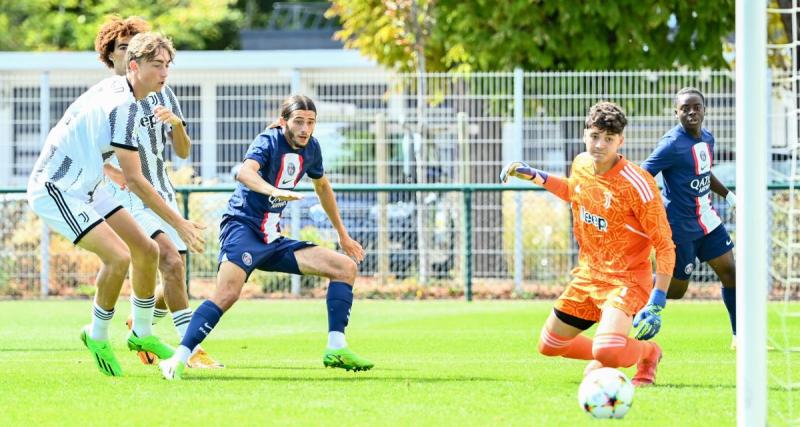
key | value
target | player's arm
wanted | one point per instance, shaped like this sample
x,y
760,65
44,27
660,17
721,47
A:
x,y
190,232
554,184
115,175
653,218
718,187
661,158
248,175
180,138
327,199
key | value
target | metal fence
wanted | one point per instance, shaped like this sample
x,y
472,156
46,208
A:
x,y
534,249
383,128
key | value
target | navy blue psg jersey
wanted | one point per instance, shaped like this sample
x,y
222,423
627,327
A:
x,y
685,165
282,167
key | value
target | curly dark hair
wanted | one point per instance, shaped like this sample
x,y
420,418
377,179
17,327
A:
x,y
607,116
114,28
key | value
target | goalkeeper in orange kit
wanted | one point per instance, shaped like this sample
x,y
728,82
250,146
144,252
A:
x,y
618,218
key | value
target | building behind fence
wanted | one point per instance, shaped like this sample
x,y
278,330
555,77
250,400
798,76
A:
x,y
376,128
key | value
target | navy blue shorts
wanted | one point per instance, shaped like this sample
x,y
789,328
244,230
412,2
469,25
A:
x,y
706,248
245,247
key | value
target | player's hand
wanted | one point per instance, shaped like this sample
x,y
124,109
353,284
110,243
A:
x,y
286,195
352,248
119,179
166,115
192,234
524,171
650,316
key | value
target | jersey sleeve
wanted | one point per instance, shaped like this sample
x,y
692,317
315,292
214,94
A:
x,y
653,218
260,150
173,101
661,158
315,171
122,120
559,186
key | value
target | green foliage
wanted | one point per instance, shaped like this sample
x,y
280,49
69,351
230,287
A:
x,y
538,34
44,25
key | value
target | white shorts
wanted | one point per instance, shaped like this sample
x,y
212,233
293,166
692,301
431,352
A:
x,y
144,216
68,214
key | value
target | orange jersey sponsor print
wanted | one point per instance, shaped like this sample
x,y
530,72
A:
x,y
618,218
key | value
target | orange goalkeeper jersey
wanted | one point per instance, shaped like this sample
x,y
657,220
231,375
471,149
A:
x,y
618,218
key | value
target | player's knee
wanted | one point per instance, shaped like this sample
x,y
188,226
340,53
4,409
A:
x,y
346,271
728,278
171,265
146,251
546,345
677,289
609,356
117,260
548,350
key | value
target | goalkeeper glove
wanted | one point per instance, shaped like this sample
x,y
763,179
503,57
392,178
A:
x,y
523,170
650,316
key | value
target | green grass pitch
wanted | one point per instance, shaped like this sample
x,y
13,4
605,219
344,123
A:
x,y
437,363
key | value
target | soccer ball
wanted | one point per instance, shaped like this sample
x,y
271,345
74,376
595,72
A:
x,y
606,393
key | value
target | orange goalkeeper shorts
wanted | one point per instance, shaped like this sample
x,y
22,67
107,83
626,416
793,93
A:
x,y
588,294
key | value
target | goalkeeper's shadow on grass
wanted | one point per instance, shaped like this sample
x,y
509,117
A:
x,y
346,377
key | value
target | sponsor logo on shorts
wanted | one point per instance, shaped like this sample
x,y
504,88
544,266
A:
x,y
728,242
689,268
247,259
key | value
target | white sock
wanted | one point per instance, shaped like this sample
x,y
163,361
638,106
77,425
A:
x,y
142,313
101,318
336,340
181,320
182,353
159,314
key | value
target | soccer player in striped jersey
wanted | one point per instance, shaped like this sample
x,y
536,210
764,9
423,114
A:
x,y
161,122
62,191
618,219
684,158
250,236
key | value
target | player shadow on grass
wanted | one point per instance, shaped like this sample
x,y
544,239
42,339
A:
x,y
352,377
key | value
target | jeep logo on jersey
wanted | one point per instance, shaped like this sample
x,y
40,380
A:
x,y
596,220
290,169
148,121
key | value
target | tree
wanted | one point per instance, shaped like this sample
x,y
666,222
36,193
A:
x,y
45,25
540,34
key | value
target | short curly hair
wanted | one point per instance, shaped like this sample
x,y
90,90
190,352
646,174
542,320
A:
x,y
607,116
114,28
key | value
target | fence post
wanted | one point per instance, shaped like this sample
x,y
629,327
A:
x,y
208,130
519,114
467,249
185,196
381,177
44,129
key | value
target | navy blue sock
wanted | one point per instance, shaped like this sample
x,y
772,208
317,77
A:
x,y
339,299
729,298
203,321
